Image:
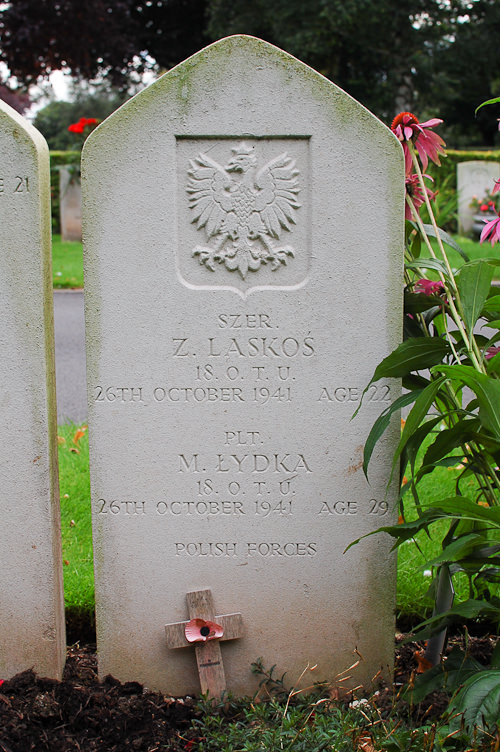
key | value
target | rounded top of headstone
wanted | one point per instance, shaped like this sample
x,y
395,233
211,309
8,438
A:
x,y
22,130
242,70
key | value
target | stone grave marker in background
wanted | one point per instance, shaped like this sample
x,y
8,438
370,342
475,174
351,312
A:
x,y
244,231
70,203
474,178
31,595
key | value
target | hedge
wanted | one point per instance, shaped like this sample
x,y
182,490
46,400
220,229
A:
x,y
449,164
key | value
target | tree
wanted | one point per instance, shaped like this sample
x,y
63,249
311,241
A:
x,y
16,98
391,55
111,36
53,119
466,73
372,48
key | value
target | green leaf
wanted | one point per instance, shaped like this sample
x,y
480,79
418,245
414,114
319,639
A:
x,y
495,658
428,263
474,283
486,389
492,304
429,229
410,452
381,424
477,703
402,532
450,439
488,101
416,302
417,414
445,676
494,364
462,508
413,355
470,609
416,245
457,550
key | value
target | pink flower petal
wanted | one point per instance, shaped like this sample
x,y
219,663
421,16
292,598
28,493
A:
x,y
491,352
199,630
431,123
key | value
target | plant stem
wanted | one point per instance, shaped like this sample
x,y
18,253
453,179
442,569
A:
x,y
470,342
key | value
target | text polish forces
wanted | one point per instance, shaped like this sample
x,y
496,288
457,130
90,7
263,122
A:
x,y
248,550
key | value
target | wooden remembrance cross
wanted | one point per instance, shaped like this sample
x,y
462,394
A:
x,y
208,654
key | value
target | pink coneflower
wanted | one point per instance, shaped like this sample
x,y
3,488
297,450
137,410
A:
x,y
199,630
491,352
427,143
429,287
414,191
491,228
496,188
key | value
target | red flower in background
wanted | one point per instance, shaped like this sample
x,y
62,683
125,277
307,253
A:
x,y
428,144
82,124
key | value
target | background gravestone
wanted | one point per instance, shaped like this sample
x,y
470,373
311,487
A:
x,y
70,201
244,231
474,178
31,596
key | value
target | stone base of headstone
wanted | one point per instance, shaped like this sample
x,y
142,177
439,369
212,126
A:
x,y
70,197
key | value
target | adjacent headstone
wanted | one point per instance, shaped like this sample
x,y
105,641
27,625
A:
x,y
474,178
70,203
31,595
243,220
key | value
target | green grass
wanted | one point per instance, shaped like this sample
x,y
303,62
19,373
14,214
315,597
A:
x,y
413,583
67,263
305,724
76,526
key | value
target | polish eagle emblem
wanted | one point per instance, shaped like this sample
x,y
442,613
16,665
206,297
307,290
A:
x,y
243,210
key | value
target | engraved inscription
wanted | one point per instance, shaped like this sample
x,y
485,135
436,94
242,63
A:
x,y
249,550
246,477
374,393
16,184
243,209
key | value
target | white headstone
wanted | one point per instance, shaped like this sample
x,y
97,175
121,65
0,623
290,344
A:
x,y
473,179
244,231
31,594
70,204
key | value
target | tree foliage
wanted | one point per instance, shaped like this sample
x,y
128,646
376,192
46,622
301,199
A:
x,y
439,57
53,119
466,71
112,36
17,99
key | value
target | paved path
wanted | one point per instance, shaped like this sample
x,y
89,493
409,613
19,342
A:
x,y
70,356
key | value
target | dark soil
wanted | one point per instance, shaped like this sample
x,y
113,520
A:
x,y
85,714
